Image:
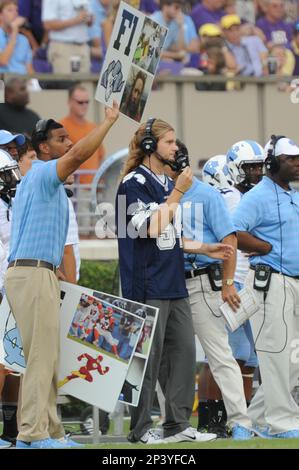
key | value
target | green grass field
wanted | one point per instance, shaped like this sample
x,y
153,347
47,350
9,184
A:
x,y
255,443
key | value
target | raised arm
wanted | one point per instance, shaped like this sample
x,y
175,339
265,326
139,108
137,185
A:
x,y
87,146
164,215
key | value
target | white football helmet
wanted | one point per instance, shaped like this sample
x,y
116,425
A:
x,y
243,152
215,172
10,174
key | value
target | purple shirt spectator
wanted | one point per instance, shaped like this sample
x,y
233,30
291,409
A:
x,y
148,6
31,9
201,15
278,33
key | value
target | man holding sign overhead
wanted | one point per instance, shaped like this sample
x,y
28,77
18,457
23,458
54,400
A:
x,y
39,229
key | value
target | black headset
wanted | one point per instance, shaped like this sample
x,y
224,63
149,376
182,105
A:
x,y
272,162
181,157
148,142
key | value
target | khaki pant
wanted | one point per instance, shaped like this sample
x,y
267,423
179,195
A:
x,y
34,297
210,328
59,54
275,329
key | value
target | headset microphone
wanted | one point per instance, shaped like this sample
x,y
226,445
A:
x,y
179,164
170,163
149,144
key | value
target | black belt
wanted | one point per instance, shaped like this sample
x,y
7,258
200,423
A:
x,y
70,42
33,263
274,271
195,272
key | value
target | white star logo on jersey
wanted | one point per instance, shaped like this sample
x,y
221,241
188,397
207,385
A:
x,y
147,208
140,178
142,212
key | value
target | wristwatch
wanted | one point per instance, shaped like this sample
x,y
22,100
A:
x,y
228,282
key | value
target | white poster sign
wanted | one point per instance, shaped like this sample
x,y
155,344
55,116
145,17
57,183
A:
x,y
131,390
11,349
104,345
91,368
131,62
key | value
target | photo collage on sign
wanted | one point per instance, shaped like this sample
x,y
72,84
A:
x,y
145,62
101,326
90,341
132,386
131,62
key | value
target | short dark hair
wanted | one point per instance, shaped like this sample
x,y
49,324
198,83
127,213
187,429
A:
x,y
22,149
182,147
39,136
216,54
5,3
170,2
74,87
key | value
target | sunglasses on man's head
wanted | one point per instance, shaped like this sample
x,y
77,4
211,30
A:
x,y
43,124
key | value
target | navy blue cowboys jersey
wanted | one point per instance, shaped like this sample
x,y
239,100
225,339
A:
x,y
150,268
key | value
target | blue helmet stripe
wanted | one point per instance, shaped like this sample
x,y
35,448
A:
x,y
256,149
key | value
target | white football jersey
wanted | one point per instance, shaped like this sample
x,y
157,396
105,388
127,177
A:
x,y
232,197
5,228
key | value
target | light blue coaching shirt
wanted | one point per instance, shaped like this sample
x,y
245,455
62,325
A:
x,y
173,29
21,56
40,215
205,218
271,213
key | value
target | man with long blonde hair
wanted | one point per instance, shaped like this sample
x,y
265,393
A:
x,y
152,271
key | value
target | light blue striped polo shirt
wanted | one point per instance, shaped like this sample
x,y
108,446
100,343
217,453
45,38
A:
x,y
205,219
271,213
40,215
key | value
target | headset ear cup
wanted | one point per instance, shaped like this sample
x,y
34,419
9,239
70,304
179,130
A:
x,y
268,163
148,142
272,164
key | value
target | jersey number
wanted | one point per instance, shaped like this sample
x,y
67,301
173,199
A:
x,y
166,241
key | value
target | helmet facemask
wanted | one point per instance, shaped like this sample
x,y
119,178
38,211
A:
x,y
248,175
10,176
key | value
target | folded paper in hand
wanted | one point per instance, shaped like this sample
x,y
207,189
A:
x,y
249,305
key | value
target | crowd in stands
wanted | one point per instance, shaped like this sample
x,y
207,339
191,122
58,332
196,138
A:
x,y
222,37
